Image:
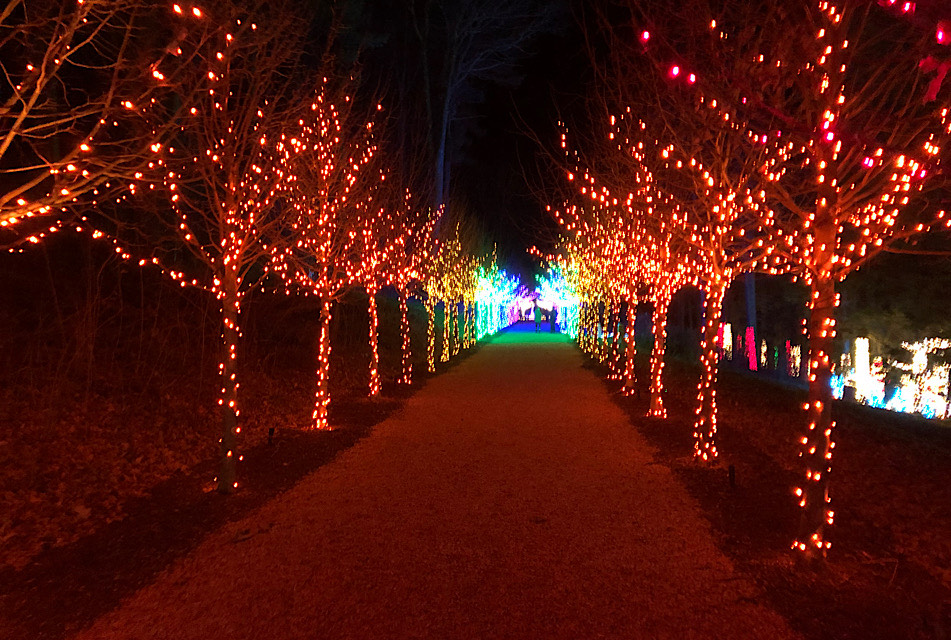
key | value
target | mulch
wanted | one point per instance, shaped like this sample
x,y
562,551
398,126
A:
x,y
65,588
888,575
889,572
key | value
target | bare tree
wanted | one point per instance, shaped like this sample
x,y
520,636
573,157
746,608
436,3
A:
x,y
92,92
330,159
460,44
851,136
223,172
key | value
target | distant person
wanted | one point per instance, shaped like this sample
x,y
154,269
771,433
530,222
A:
x,y
537,312
553,318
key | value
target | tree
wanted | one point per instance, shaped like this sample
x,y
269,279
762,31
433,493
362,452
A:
x,y
411,252
223,173
93,92
460,44
329,156
852,135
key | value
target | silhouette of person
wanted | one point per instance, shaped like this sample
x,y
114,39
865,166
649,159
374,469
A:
x,y
553,318
537,312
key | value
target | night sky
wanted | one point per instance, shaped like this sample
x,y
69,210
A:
x,y
501,170
503,173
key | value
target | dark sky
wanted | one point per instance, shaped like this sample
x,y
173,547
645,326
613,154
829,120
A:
x,y
500,177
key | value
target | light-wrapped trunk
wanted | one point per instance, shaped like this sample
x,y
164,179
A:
x,y
374,384
470,323
630,352
322,396
818,441
614,361
705,425
229,297
661,303
430,335
446,331
406,362
456,329
583,326
602,330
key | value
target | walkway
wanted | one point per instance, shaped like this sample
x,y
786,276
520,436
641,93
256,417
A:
x,y
509,499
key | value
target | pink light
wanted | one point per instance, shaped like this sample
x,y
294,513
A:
x,y
830,136
908,7
751,349
941,35
692,78
645,36
674,71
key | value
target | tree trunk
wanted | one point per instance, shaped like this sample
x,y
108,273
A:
x,y
431,335
456,337
630,352
588,343
818,442
615,357
323,367
473,326
593,315
661,303
406,363
604,313
582,326
705,426
374,384
442,159
446,329
591,327
470,324
230,333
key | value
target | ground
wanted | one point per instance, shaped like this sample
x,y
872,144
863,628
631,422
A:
x,y
510,497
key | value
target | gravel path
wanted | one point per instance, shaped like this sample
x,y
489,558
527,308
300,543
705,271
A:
x,y
509,499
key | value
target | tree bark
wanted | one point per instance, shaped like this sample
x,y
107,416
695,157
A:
x,y
430,335
818,441
587,342
615,354
582,328
442,161
374,384
230,332
661,303
601,329
470,324
592,329
456,332
705,426
406,363
446,329
323,367
630,352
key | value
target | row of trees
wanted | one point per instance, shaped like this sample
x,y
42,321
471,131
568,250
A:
x,y
724,149
209,142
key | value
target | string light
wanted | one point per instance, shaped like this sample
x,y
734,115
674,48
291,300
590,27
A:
x,y
107,144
